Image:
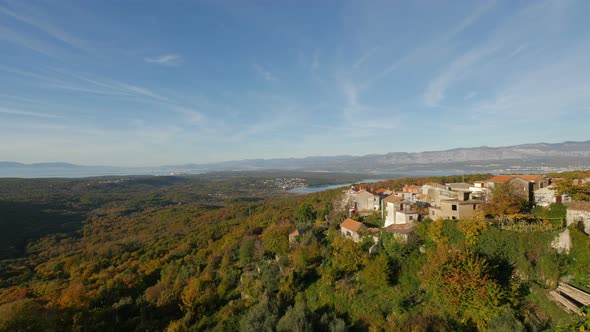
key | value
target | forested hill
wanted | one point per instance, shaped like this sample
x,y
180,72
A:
x,y
140,263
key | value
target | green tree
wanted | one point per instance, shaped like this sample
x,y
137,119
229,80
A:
x,y
276,239
348,257
305,216
297,318
263,316
247,248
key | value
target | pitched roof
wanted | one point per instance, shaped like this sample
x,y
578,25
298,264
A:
x,y
366,191
580,206
351,224
411,188
501,178
392,199
533,177
400,228
506,178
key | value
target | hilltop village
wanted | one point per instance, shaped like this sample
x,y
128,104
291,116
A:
x,y
399,212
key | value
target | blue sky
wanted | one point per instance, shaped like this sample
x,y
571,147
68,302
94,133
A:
x,y
138,83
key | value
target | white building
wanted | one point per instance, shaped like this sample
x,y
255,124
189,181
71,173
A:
x,y
397,210
548,195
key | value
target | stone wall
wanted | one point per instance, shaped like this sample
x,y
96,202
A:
x,y
575,216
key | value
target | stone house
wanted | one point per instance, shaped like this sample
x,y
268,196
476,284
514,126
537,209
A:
x,y
524,185
412,189
401,231
351,228
397,210
579,211
458,186
461,208
367,201
478,190
435,193
548,195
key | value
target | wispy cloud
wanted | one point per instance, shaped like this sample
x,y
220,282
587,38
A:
x,y
517,51
363,58
192,116
30,16
27,113
456,70
469,20
431,46
29,42
549,90
166,60
264,73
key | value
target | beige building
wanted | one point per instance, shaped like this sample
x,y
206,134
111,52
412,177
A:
x,y
351,228
361,200
367,201
436,193
461,208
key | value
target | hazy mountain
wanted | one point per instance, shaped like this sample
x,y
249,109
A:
x,y
539,157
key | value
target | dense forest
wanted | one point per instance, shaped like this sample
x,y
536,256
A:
x,y
213,253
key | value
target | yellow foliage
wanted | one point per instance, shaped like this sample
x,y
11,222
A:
x,y
472,228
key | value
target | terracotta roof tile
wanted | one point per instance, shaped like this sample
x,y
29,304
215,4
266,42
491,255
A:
x,y
351,224
506,178
501,178
533,177
392,199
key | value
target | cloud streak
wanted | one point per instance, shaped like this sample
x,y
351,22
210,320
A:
x,y
28,114
264,73
456,70
165,60
26,15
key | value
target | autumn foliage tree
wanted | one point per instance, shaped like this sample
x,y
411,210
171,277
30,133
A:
x,y
504,201
275,239
459,284
579,192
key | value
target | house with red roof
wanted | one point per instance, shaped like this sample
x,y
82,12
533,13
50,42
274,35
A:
x,y
525,185
351,228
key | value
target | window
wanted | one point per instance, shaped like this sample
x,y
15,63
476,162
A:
x,y
433,213
411,218
454,207
474,206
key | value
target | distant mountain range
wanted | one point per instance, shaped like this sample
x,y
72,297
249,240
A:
x,y
531,158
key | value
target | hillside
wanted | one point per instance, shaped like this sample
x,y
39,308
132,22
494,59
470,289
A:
x,y
229,267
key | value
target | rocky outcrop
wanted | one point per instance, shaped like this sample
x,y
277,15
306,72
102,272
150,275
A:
x,y
563,242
